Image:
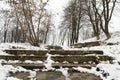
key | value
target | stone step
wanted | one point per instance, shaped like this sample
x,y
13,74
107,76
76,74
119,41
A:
x,y
23,58
77,52
87,44
55,75
27,52
32,66
70,59
82,59
53,52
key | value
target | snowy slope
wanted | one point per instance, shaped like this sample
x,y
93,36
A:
x,y
115,38
23,46
110,50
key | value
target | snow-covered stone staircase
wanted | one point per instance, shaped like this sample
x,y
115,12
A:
x,y
32,59
54,64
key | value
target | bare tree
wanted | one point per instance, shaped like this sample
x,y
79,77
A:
x,y
93,16
31,16
72,20
108,8
6,27
100,13
103,10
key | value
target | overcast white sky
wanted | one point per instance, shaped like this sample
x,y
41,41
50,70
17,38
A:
x,y
56,7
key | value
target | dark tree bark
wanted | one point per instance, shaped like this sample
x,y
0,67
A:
x,y
5,35
72,19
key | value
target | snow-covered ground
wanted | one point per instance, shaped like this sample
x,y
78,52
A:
x,y
113,69
25,46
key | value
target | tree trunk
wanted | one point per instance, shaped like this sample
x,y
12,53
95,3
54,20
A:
x,y
45,40
97,36
107,33
5,34
12,35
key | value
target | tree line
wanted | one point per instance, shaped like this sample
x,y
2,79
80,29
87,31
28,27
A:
x,y
29,21
94,15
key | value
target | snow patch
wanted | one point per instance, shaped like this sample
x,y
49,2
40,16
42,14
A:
x,y
92,71
64,72
3,53
13,78
20,46
113,71
48,62
35,62
4,72
32,75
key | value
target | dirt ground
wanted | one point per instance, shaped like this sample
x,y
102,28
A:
x,y
56,76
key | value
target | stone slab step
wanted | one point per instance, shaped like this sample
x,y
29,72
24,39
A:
x,y
76,52
27,52
70,59
87,44
23,58
82,59
57,75
53,52
54,65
